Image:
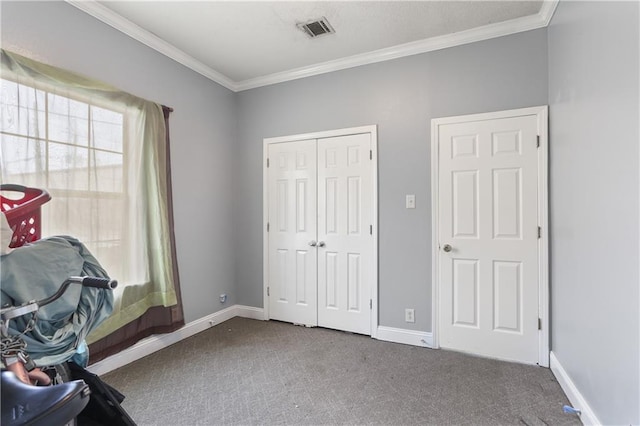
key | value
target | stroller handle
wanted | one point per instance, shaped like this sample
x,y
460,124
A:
x,y
32,306
103,283
96,282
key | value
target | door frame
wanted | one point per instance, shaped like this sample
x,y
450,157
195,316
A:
x,y
373,131
541,113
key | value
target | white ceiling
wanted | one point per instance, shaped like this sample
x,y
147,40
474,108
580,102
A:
x,y
242,44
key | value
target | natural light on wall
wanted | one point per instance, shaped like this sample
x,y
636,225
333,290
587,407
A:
x,y
96,150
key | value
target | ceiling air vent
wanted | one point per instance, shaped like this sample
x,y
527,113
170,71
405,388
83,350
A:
x,y
317,27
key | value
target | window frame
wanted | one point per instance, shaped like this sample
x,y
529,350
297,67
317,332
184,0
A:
x,y
116,107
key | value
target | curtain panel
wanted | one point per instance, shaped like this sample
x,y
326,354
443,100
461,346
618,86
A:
x,y
158,319
144,262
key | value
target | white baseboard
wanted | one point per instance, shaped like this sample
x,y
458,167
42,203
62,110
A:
x,y
587,417
407,337
155,343
160,341
249,312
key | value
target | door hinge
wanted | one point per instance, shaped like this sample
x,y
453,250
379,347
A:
x,y
267,226
268,292
539,323
539,232
370,229
370,303
538,141
370,154
267,163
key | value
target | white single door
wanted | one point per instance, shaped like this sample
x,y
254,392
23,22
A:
x,y
345,243
292,233
488,237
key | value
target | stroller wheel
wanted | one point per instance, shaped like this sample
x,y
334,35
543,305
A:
x,y
59,373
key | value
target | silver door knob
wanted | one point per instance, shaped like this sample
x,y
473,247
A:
x,y
321,244
447,248
313,243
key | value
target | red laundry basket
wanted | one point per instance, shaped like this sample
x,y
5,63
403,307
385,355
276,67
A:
x,y
23,214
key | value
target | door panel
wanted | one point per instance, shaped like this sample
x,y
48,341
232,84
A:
x,y
507,202
465,204
507,291
345,205
292,210
465,292
488,177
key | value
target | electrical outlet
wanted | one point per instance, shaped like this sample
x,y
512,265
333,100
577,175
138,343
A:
x,y
223,298
409,315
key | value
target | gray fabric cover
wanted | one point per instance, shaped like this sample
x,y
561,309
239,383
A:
x,y
36,271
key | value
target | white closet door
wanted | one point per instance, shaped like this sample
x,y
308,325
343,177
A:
x,y
292,222
345,244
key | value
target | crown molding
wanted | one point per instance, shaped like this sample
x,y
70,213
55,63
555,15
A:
x,y
547,10
136,32
473,35
526,23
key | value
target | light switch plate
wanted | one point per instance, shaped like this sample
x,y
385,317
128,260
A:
x,y
411,201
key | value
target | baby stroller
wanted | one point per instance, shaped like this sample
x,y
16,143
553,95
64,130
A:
x,y
23,401
45,317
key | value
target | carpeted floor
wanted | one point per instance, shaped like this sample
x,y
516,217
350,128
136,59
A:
x,y
254,372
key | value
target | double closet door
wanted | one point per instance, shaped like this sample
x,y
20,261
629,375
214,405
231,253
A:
x,y
320,225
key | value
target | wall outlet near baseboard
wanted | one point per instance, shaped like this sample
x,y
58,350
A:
x,y
223,298
409,315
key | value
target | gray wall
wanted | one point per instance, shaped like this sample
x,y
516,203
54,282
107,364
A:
x,y
202,130
594,164
594,160
401,97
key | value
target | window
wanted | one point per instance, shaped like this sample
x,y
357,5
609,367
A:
x,y
103,156
75,149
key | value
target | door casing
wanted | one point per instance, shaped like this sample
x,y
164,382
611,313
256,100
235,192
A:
x,y
541,114
373,131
